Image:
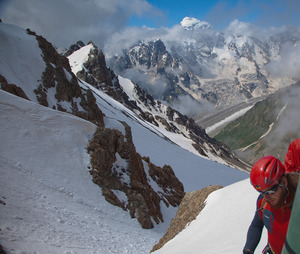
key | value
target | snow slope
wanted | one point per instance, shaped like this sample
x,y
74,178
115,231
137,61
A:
x,y
221,226
52,205
20,59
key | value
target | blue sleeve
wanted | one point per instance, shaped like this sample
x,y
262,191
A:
x,y
254,233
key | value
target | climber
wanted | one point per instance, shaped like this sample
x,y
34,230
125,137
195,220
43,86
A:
x,y
277,190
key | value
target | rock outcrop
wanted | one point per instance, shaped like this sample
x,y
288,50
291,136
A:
x,y
121,172
69,96
12,88
191,205
73,48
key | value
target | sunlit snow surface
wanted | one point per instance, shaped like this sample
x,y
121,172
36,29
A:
x,y
221,225
20,59
52,205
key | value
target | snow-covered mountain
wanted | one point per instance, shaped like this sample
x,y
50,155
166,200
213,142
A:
x,y
197,62
49,202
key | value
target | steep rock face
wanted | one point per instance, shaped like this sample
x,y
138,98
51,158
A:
x,y
96,66
12,88
68,95
153,60
191,205
153,54
202,142
96,73
57,87
73,48
117,168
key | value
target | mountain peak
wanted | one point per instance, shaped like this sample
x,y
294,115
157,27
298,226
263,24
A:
x,y
190,23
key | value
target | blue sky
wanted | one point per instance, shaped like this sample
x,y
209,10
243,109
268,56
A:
x,y
263,13
172,12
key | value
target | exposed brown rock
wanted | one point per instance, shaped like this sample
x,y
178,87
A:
x,y
58,75
166,179
191,205
12,88
41,96
96,73
138,208
97,65
55,74
2,251
50,54
112,198
142,202
92,112
74,47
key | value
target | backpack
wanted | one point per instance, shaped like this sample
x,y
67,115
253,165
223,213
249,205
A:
x,y
292,157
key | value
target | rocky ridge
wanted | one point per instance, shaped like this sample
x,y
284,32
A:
x,y
96,72
68,95
192,204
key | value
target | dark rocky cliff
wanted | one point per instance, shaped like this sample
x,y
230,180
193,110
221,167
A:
x,y
134,179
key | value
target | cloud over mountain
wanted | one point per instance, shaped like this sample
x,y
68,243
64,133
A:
x,y
64,22
288,64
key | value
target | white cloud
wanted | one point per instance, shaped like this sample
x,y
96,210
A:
x,y
288,123
63,22
155,87
187,106
237,27
128,37
288,65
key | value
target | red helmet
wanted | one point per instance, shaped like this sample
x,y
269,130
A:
x,y
266,172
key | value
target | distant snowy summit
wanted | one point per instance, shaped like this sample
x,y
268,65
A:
x,y
189,23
